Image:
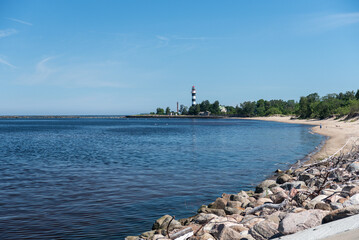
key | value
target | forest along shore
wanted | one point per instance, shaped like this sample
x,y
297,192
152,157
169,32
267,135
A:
x,y
322,190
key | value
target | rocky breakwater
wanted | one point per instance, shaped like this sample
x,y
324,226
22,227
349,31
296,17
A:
x,y
296,200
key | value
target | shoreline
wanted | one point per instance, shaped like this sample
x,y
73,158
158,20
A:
x,y
338,133
243,215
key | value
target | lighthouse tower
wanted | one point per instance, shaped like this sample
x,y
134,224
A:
x,y
193,96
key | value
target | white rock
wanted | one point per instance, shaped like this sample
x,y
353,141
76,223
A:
x,y
353,200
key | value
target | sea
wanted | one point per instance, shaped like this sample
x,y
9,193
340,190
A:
x,y
110,178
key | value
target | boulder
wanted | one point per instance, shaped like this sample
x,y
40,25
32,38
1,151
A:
x,y
163,222
276,190
235,217
246,202
276,217
231,211
264,230
132,238
266,193
283,179
350,190
279,197
252,221
148,234
265,185
353,167
314,171
262,201
336,205
239,228
159,237
353,200
305,177
341,213
218,212
234,204
295,222
311,204
204,218
220,203
295,184
224,232
206,236
323,206
239,197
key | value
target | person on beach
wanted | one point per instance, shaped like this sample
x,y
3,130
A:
x,y
320,126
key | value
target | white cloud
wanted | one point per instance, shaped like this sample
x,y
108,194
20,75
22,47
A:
x,y
3,61
162,38
7,32
339,20
192,38
108,74
19,21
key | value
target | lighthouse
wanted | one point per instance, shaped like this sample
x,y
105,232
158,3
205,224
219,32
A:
x,y
193,96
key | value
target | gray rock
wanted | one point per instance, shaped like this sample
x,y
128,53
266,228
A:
x,y
132,238
294,222
311,204
265,185
264,230
323,206
234,204
206,236
279,197
305,177
353,167
231,211
148,234
220,203
224,232
204,218
336,205
341,213
159,237
353,200
283,179
350,190
218,212
295,184
239,197
162,223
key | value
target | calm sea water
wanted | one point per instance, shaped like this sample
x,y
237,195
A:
x,y
109,178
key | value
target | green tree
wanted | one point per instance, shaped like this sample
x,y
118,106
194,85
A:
x,y
194,110
205,106
160,111
183,110
260,108
168,110
215,108
273,111
357,95
248,109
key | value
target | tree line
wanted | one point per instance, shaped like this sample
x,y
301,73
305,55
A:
x,y
311,106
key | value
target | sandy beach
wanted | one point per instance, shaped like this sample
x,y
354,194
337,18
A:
x,y
340,132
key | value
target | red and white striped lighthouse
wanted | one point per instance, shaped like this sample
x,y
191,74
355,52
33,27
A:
x,y
193,96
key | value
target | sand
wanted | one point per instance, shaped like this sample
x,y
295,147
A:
x,y
340,132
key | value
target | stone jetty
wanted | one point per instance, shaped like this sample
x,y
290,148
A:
x,y
296,199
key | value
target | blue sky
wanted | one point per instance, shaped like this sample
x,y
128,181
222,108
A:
x,y
124,57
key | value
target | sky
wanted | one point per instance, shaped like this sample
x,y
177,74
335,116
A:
x,y
131,56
